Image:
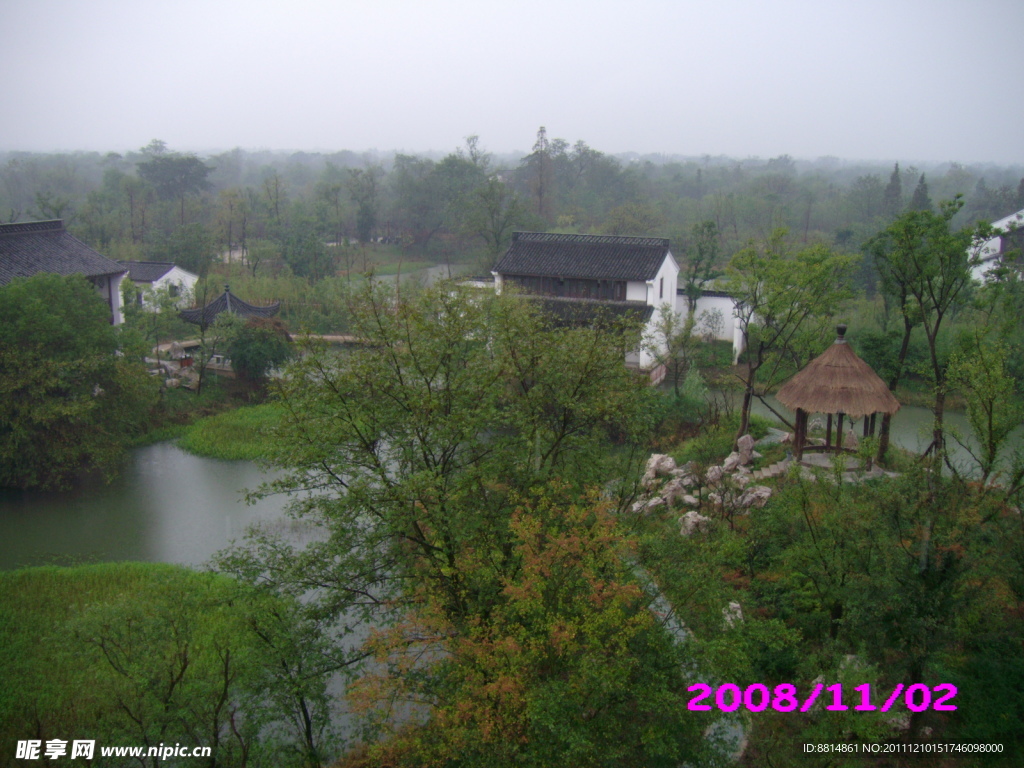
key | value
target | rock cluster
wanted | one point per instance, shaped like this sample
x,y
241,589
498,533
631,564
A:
x,y
726,486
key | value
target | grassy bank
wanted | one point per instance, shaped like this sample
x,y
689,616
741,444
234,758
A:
x,y
242,433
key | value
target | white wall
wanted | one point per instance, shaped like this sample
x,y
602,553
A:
x,y
185,280
659,291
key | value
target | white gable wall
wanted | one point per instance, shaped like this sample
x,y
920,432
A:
x,y
659,292
183,279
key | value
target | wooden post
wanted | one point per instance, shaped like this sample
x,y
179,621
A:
x,y
866,422
828,433
800,433
839,433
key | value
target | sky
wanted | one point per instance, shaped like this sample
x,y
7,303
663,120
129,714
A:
x,y
888,80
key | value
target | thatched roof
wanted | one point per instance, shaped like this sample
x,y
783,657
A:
x,y
837,381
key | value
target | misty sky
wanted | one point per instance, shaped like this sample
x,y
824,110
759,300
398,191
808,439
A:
x,y
924,80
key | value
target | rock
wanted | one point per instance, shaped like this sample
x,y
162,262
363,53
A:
x,y
690,501
816,424
659,465
745,445
742,476
654,503
673,489
714,474
682,471
693,522
732,461
787,438
732,614
172,383
755,496
850,440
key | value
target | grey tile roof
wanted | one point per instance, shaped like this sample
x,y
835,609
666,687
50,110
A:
x,y
595,257
227,302
147,271
45,246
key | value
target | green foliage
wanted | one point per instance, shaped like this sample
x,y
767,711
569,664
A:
x,y
132,653
993,408
567,666
260,346
243,433
423,440
68,401
785,302
190,246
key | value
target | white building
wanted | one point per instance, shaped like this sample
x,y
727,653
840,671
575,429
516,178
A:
x,y
157,275
596,274
1011,234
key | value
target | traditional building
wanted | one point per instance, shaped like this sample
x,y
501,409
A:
x,y
1009,239
157,275
45,246
582,276
227,302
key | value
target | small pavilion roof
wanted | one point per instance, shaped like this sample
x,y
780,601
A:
x,y
837,381
227,302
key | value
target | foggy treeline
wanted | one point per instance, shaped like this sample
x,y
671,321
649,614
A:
x,y
281,210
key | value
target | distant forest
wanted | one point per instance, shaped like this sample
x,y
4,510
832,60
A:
x,y
284,211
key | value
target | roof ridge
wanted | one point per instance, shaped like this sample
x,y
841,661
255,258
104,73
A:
x,y
550,237
25,227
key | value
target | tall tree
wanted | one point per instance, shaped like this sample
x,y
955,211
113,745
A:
x,y
892,200
931,265
784,302
920,201
175,176
701,262
68,400
363,187
540,172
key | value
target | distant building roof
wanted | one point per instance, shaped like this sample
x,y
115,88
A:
x,y
45,246
594,257
147,271
227,302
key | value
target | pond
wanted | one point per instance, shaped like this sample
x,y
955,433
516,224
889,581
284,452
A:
x,y
912,430
166,506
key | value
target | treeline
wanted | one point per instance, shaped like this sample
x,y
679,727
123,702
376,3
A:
x,y
304,213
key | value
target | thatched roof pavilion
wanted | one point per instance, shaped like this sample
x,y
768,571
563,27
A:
x,y
836,382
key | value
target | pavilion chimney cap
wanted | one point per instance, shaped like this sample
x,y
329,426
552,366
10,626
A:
x,y
841,330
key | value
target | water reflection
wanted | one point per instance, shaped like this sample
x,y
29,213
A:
x,y
166,506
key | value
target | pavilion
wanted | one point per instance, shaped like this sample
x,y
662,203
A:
x,y
226,302
839,383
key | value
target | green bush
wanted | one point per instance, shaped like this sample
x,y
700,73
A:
x,y
238,434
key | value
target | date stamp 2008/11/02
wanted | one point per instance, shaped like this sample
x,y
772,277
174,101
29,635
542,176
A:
x,y
783,698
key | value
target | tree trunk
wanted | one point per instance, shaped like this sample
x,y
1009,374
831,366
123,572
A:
x,y
883,436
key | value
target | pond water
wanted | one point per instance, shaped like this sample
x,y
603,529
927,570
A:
x,y
912,430
166,506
